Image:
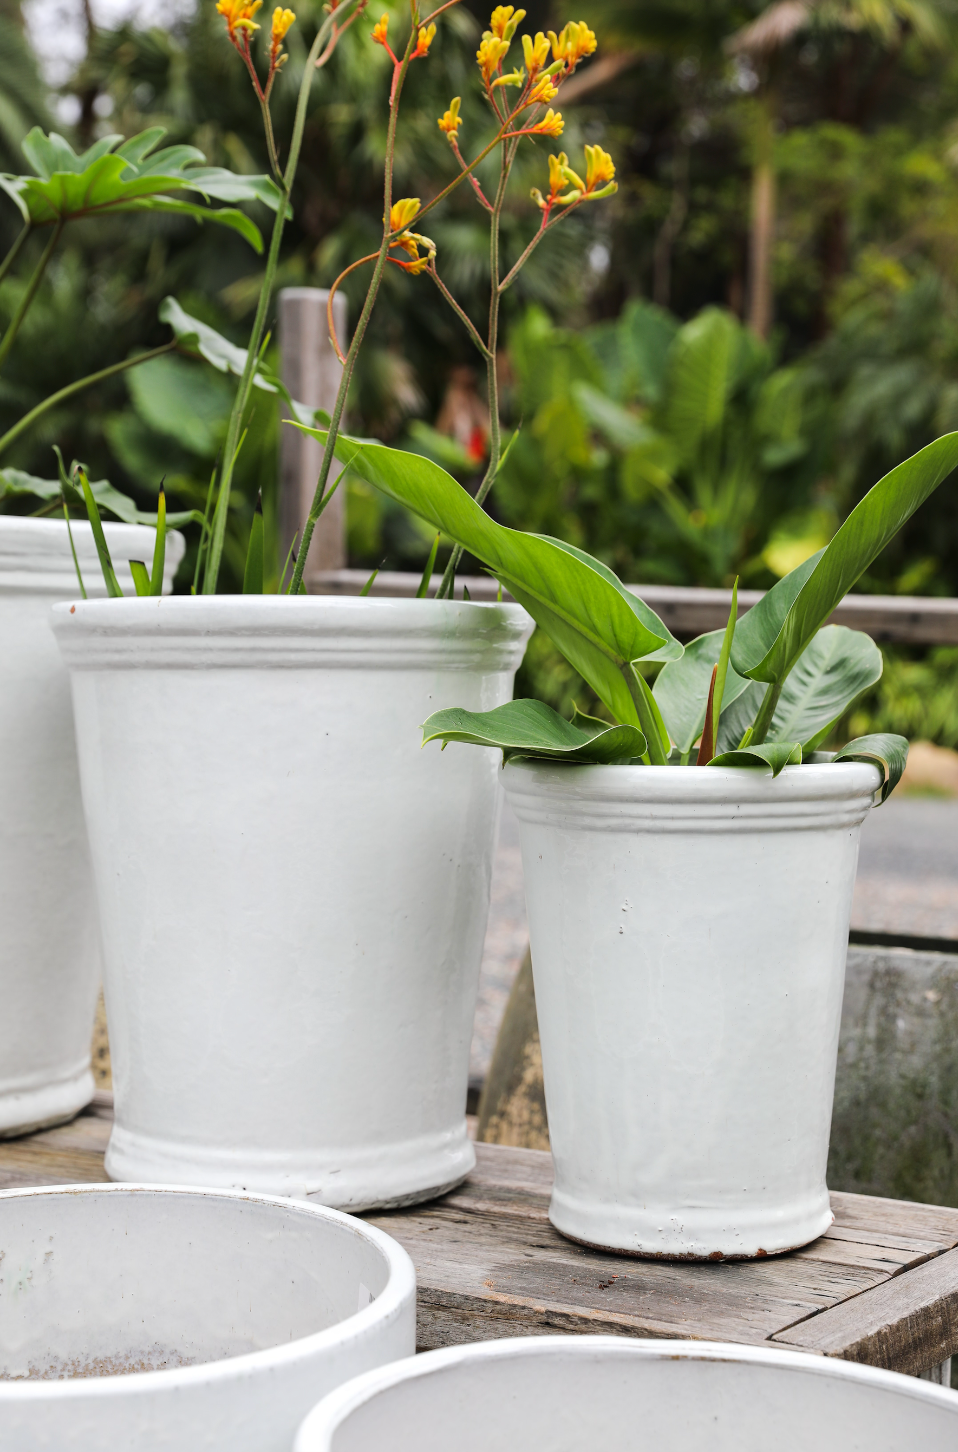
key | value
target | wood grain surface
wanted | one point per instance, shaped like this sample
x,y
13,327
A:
x,y
881,1286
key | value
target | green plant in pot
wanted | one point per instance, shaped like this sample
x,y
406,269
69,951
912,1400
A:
x,y
315,892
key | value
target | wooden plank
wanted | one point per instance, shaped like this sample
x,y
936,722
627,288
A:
x,y
908,1324
69,1154
689,610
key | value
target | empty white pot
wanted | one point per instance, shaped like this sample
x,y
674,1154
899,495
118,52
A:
x,y
610,1394
689,927
293,895
173,1320
49,953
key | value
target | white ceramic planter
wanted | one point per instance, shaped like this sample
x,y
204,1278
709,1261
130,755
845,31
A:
x,y
49,955
689,928
293,894
611,1394
167,1320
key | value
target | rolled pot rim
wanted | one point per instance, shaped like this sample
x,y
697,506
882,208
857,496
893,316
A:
x,y
330,1414
147,613
609,782
400,1284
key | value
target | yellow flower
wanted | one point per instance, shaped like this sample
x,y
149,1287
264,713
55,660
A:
x,y
402,212
536,52
282,20
425,40
450,120
489,55
599,167
561,175
574,41
551,124
238,15
543,91
514,78
380,30
505,20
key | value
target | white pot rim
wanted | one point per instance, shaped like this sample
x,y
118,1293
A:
x,y
269,631
400,1285
315,1432
601,783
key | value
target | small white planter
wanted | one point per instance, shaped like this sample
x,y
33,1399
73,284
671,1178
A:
x,y
293,894
49,955
610,1394
167,1320
689,928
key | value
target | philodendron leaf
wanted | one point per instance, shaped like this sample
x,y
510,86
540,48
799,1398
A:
x,y
14,483
682,689
835,667
772,635
121,176
531,728
889,753
776,754
202,341
590,617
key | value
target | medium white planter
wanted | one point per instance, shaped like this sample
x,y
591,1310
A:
x,y
611,1394
689,928
49,955
293,894
167,1320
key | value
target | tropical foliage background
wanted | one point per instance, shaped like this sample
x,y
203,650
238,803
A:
x,y
709,370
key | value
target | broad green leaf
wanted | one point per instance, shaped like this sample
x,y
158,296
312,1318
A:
x,y
776,754
835,667
772,635
598,629
121,176
531,728
671,650
701,374
200,339
884,750
7,186
186,401
14,483
682,689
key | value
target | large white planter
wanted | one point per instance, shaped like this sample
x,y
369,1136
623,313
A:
x,y
610,1394
49,955
689,928
293,894
185,1320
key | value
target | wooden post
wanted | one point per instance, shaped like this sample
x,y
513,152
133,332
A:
x,y
312,373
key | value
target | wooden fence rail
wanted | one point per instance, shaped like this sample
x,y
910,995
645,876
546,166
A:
x,y
689,611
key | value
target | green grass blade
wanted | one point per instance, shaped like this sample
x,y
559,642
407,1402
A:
x,y
253,574
103,552
369,583
159,549
424,583
141,579
76,562
723,660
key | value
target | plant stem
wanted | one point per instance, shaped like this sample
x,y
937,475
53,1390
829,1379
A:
x,y
448,582
71,388
514,271
371,295
766,711
29,295
215,554
14,252
459,311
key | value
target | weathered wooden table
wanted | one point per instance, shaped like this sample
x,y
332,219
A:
x,y
880,1287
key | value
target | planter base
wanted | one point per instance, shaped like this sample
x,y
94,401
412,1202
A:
x,y
698,1234
24,1110
374,1177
